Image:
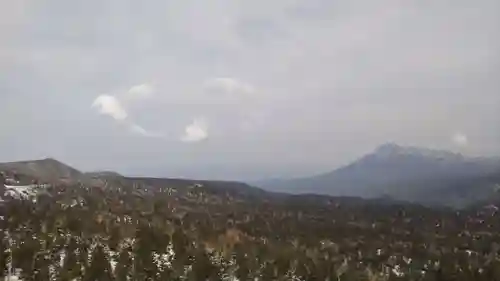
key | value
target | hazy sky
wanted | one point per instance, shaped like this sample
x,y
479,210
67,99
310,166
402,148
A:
x,y
245,89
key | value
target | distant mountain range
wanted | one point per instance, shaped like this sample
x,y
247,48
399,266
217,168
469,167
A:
x,y
391,173
415,174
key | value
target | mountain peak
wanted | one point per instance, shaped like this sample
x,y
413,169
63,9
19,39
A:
x,y
46,169
47,160
393,149
388,148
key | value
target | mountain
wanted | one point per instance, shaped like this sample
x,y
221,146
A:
x,y
404,173
99,174
390,173
46,170
49,170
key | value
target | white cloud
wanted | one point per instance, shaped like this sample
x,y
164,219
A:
x,y
141,91
196,131
460,139
111,106
143,132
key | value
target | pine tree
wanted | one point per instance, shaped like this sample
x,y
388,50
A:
x,y
25,256
123,268
4,254
41,272
99,269
71,269
144,267
114,237
180,243
243,263
203,269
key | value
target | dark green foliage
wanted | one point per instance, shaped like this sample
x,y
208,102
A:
x,y
71,268
245,262
41,272
181,246
4,254
99,269
24,256
203,269
215,234
123,270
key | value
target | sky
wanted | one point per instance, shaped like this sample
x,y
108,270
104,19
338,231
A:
x,y
233,89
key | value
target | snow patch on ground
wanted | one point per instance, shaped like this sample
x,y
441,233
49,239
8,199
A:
x,y
24,192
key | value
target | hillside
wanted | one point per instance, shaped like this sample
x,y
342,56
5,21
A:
x,y
46,170
404,173
99,174
50,170
180,229
128,232
230,188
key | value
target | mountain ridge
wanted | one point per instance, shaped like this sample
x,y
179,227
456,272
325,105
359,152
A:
x,y
45,169
52,171
403,172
